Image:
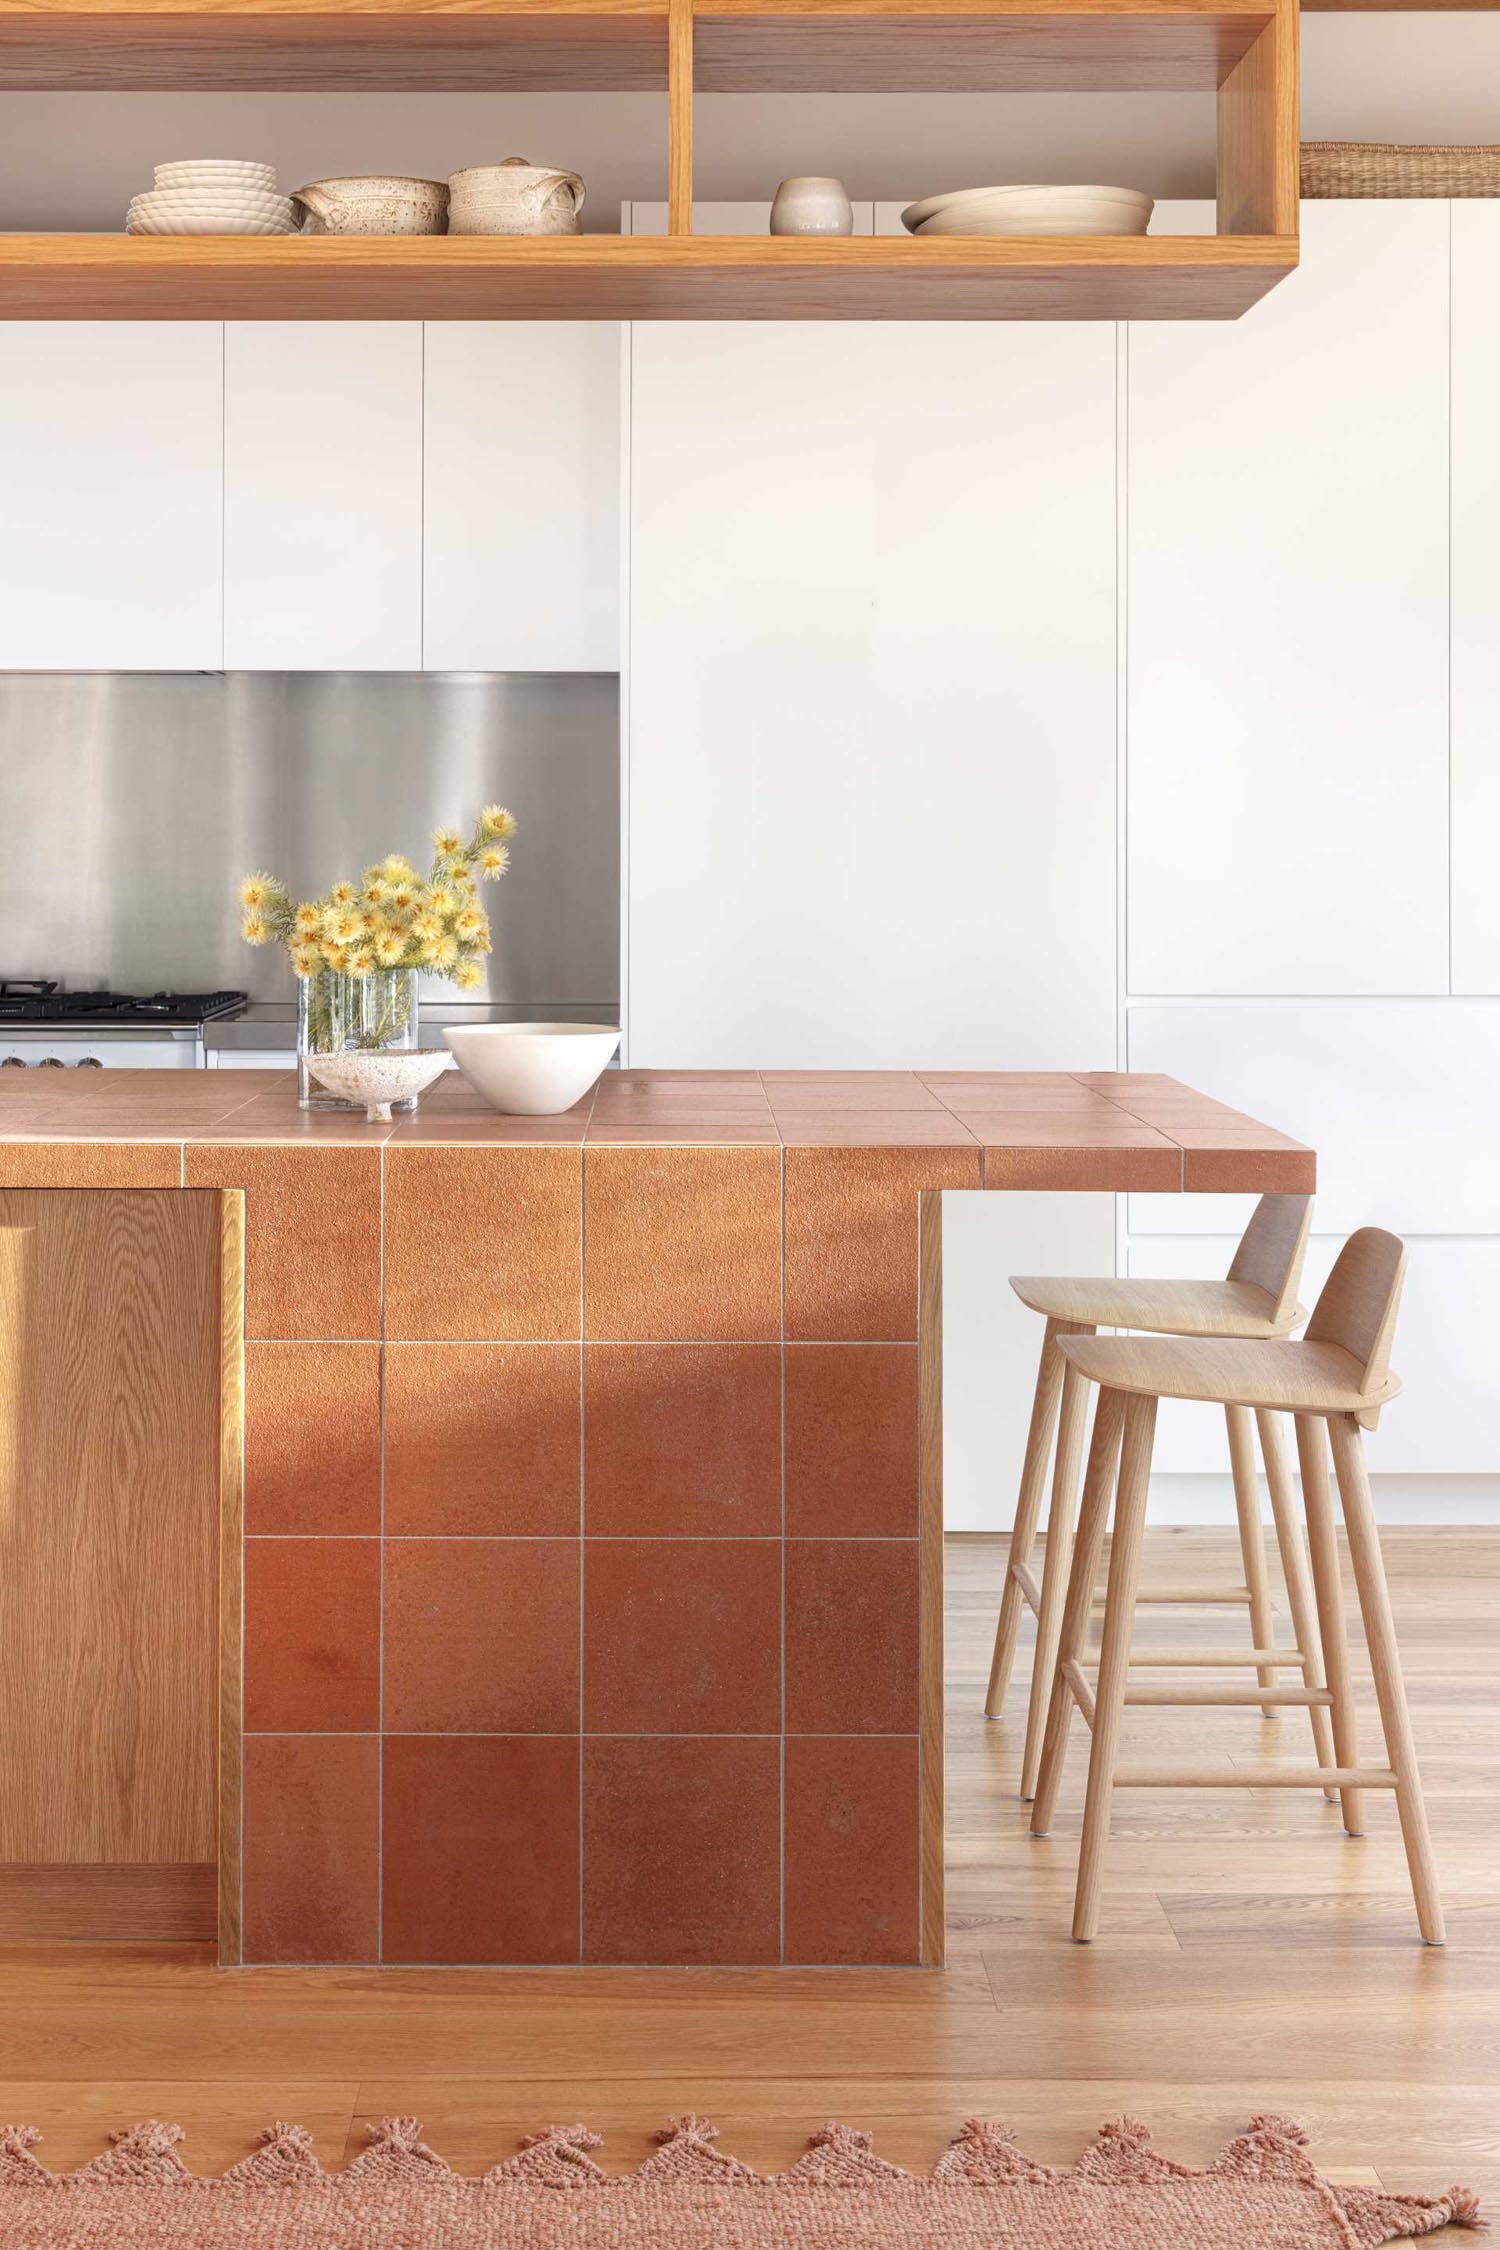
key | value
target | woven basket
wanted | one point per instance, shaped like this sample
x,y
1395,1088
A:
x,y
1331,168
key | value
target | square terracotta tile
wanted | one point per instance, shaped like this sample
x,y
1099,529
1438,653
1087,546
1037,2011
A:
x,y
851,1238
312,1635
482,1243
873,1128
624,1095
802,1090
708,1132
90,1164
682,1244
682,1636
312,1847
1085,1171
481,1849
312,1235
482,1439
851,1636
312,1438
1235,1167
481,1636
852,1830
851,1441
682,1440
681,1850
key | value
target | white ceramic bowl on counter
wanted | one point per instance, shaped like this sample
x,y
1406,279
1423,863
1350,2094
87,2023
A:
x,y
533,1069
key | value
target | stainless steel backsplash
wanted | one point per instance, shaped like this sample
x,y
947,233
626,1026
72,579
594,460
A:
x,y
132,803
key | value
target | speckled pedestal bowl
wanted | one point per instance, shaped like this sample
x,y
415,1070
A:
x,y
378,1077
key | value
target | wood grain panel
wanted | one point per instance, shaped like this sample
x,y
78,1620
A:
x,y
147,1904
110,1406
1258,157
611,277
231,1748
930,1567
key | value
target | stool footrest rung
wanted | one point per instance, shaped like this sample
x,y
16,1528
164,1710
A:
x,y
1228,1658
1305,1697
1198,1596
1271,1777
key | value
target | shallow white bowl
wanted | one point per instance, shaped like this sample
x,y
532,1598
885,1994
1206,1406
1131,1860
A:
x,y
204,222
378,1077
533,1069
199,170
252,202
1031,210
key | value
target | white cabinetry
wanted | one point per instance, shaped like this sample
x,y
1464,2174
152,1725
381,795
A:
x,y
1476,596
871,695
1288,647
111,461
521,475
323,496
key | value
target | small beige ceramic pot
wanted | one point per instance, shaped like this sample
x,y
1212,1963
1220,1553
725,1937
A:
x,y
515,197
373,205
811,206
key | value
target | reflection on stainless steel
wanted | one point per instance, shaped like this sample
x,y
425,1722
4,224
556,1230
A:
x,y
133,802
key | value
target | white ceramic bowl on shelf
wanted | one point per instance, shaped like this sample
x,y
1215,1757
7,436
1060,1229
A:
x,y
212,171
378,1076
1031,210
533,1069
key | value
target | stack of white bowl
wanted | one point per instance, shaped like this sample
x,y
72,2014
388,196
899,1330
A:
x,y
210,195
1031,210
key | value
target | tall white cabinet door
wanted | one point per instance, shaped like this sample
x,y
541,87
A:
x,y
871,696
521,529
1476,595
1288,640
323,496
111,461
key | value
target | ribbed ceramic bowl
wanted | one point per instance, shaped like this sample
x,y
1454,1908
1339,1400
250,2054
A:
x,y
1031,210
206,171
377,1077
533,1069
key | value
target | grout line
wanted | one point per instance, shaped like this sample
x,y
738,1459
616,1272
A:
x,y
541,1734
380,1647
582,1501
602,1538
1448,605
781,1777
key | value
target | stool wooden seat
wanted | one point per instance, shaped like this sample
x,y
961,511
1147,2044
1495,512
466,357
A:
x,y
1338,1380
1257,1298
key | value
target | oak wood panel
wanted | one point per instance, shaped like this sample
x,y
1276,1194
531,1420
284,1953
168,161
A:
x,y
110,1402
331,51
231,1687
1110,50
598,277
1257,152
680,117
151,1903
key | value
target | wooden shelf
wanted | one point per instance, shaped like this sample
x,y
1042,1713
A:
x,y
613,277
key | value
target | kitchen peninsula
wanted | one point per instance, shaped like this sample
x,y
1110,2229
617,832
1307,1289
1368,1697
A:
x,y
592,1510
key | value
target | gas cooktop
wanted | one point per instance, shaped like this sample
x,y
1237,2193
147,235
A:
x,y
38,1000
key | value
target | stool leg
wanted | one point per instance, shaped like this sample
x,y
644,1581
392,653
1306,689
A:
x,y
1294,1571
1049,1377
1322,1540
1252,1539
1385,1663
1060,1515
1098,1490
1114,1657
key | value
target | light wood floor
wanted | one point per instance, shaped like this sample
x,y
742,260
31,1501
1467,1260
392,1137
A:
x,y
1250,1958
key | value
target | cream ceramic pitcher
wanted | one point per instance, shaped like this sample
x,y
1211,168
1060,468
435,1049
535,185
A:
x,y
515,197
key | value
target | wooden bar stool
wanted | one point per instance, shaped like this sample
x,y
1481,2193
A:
x,y
1339,1376
1258,1298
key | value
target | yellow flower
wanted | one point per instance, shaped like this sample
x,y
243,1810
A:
x,y
255,929
401,898
493,861
447,842
470,924
360,963
308,921
389,949
467,975
441,901
425,928
304,961
340,927
374,892
369,922
255,891
342,894
456,872
496,821
441,953
397,868
336,957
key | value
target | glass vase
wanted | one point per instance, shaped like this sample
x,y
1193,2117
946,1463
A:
x,y
337,1012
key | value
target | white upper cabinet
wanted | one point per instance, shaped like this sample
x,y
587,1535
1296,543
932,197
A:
x,y
521,534
1288,637
871,695
323,496
1476,595
111,460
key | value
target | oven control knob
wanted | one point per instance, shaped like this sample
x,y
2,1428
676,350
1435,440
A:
x,y
13,1062
88,1062
52,1062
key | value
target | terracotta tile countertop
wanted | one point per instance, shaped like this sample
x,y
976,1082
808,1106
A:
x,y
1106,1130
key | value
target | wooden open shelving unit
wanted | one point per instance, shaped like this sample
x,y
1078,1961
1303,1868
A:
x,y
1245,51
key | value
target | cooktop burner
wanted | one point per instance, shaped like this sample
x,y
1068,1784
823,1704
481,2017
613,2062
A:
x,y
38,1000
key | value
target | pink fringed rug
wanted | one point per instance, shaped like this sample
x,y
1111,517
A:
x,y
1261,2193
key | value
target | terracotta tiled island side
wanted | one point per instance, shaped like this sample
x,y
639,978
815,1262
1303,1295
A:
x,y
592,1497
